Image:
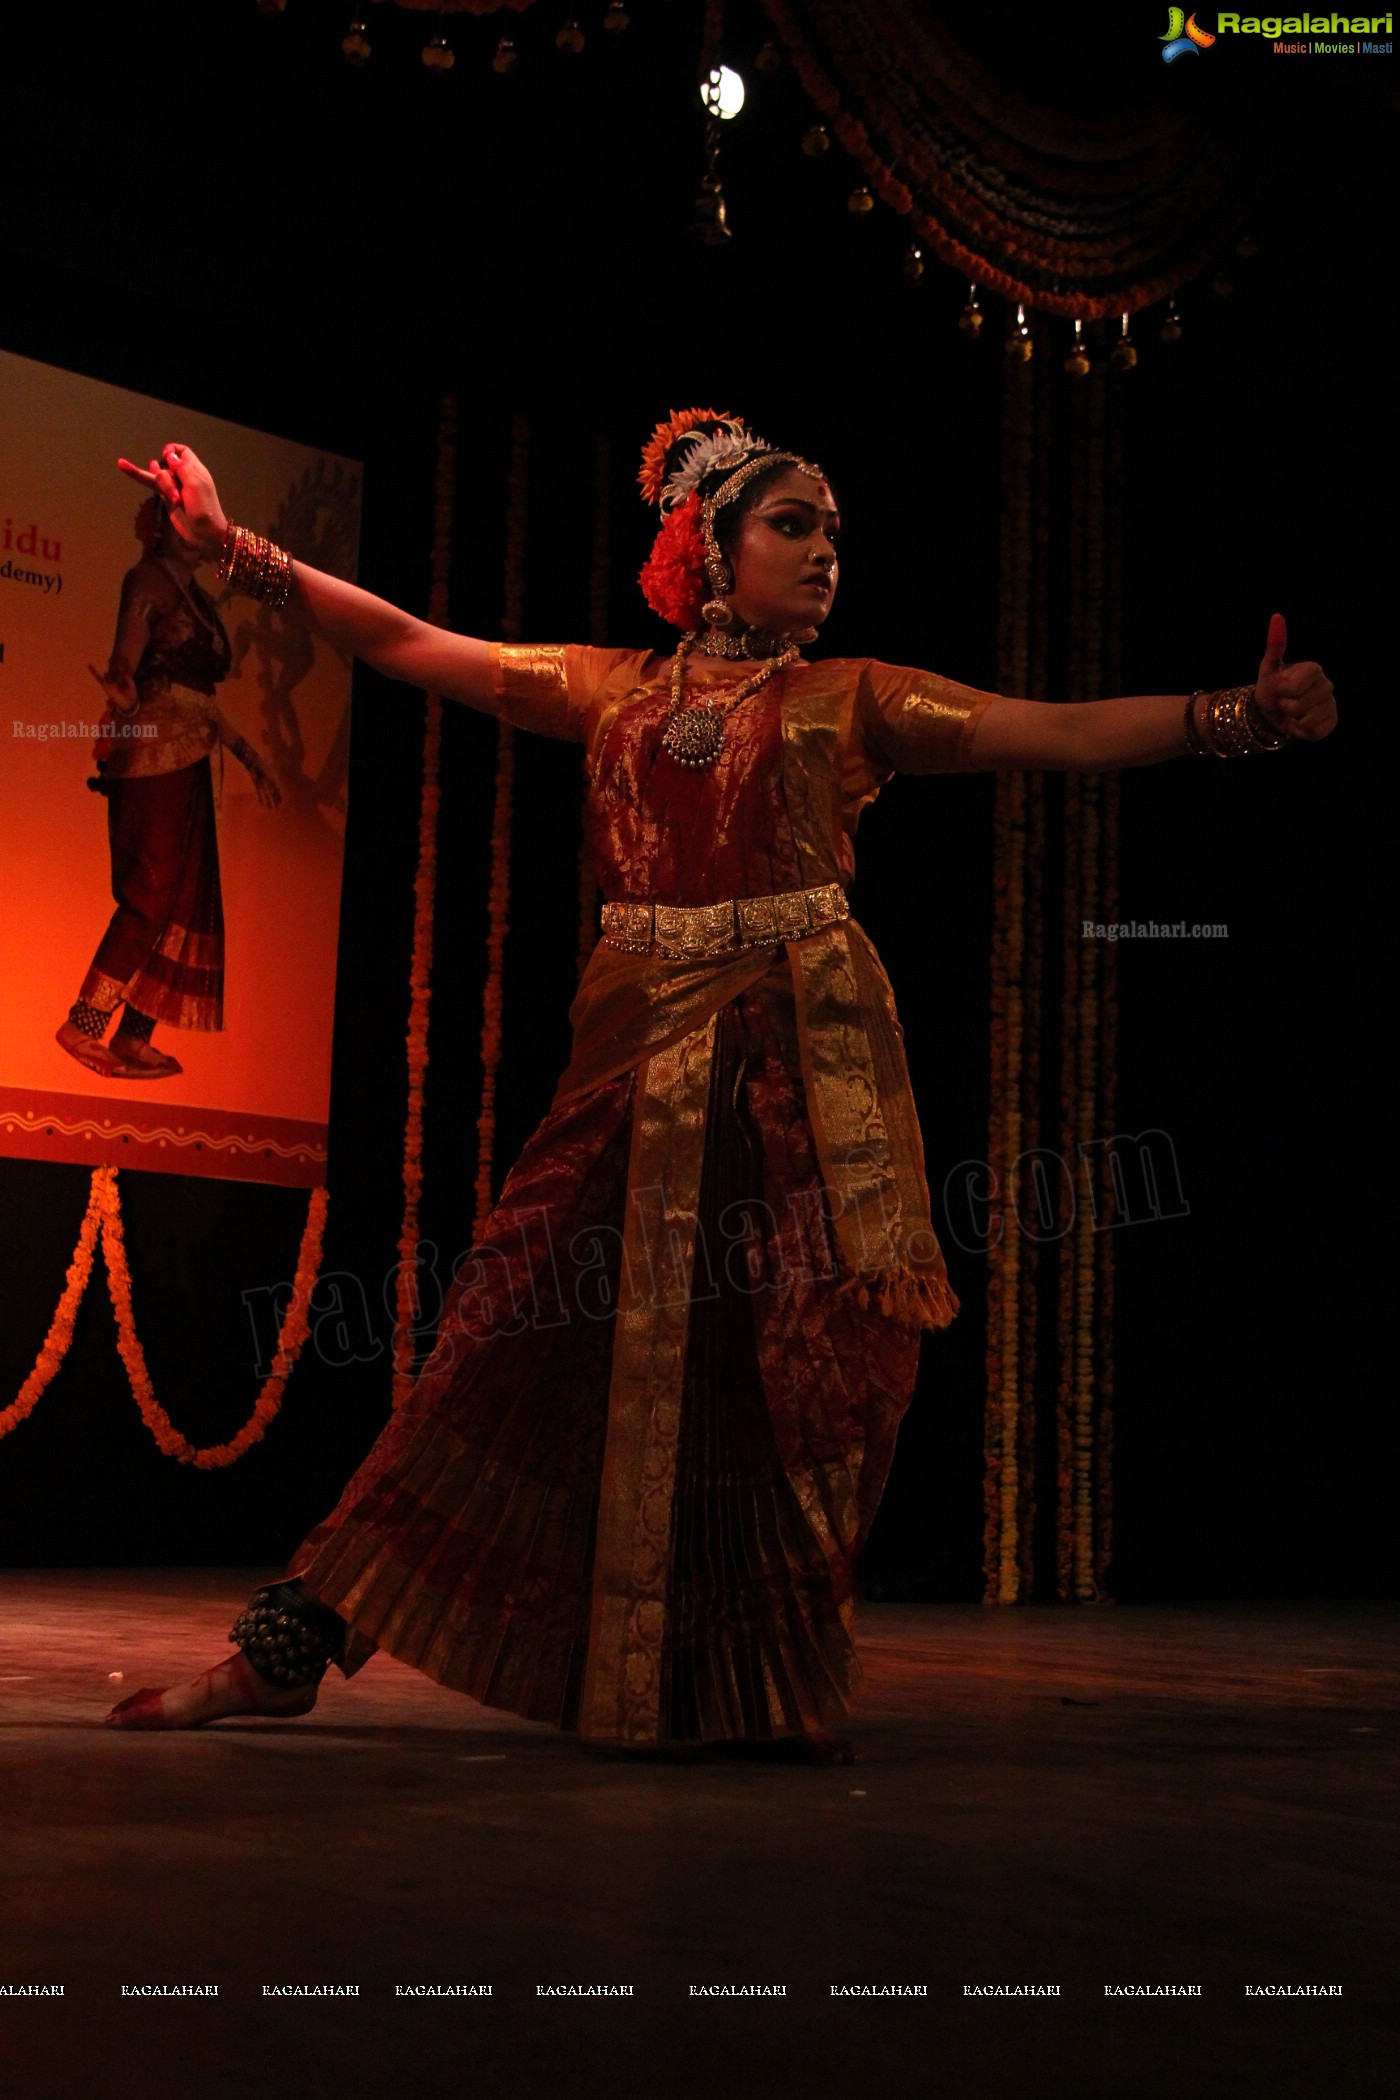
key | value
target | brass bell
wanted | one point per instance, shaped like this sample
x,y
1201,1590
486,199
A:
x,y
570,38
913,263
355,45
1077,363
616,18
1171,327
710,223
971,317
1123,356
505,58
1019,347
816,141
860,201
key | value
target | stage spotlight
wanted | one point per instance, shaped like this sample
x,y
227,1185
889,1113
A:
x,y
723,92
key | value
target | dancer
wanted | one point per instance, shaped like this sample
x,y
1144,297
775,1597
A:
x,y
163,953
628,1490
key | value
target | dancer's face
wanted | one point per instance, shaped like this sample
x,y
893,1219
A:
x,y
784,557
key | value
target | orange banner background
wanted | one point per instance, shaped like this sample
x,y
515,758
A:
x,y
253,1099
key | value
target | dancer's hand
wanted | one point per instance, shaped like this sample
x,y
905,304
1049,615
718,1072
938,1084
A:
x,y
120,689
1297,698
186,488
266,788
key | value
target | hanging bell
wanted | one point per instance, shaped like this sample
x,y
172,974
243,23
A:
x,y
355,45
769,57
710,221
1019,347
616,18
1123,355
271,7
1246,247
1171,327
1222,283
438,55
816,140
860,201
1077,363
505,58
913,263
971,318
569,38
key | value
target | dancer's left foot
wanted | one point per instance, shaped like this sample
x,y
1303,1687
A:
x,y
133,1059
231,1687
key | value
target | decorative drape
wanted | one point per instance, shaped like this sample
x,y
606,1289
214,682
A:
x,y
1083,217
1053,1012
406,1307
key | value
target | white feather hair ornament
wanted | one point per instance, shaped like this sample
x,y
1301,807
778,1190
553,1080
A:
x,y
725,448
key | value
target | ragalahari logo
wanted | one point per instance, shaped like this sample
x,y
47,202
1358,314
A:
x,y
1183,35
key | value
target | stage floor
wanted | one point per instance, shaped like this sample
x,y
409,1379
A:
x,y
1078,1798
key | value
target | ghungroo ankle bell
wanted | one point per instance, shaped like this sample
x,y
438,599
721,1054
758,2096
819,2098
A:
x,y
289,1640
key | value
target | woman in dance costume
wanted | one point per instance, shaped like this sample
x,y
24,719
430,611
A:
x,y
163,953
628,1490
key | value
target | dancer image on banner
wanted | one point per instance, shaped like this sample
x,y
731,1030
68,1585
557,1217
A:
x,y
626,1494
163,952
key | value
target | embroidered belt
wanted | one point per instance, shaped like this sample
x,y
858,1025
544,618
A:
x,y
694,932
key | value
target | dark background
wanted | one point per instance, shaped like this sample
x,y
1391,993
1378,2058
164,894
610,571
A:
x,y
210,207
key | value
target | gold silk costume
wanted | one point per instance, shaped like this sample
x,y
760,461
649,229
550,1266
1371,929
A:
x,y
649,1532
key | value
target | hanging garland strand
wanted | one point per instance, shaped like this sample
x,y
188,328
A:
x,y
294,1330
406,1305
599,587
60,1332
1003,1441
498,909
1028,222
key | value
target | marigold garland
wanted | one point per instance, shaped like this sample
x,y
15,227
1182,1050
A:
x,y
60,1334
406,1306
1007,1431
498,906
978,198
296,1325
599,590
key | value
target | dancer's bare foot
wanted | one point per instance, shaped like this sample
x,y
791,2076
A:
x,y
133,1059
96,1056
231,1687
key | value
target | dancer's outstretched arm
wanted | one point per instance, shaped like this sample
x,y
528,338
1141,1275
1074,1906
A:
x,y
1295,699
392,641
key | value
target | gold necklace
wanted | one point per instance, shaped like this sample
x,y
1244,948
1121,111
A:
x,y
694,736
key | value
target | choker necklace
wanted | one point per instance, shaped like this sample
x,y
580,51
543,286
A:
x,y
750,642
694,736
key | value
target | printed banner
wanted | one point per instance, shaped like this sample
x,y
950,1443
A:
x,y
171,840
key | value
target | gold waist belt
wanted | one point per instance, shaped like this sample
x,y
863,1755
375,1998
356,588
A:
x,y
694,932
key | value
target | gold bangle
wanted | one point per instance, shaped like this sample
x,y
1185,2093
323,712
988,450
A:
x,y
1196,744
256,566
1232,725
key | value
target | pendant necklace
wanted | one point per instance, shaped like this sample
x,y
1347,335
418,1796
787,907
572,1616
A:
x,y
694,736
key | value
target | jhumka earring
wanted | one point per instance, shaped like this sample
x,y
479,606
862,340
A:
x,y
717,612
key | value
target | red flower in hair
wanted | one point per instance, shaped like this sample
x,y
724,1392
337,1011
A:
x,y
673,579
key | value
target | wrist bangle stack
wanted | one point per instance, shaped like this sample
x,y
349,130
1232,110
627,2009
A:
x,y
258,567
1232,725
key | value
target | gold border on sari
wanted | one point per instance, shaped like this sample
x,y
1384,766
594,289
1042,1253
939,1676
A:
x,y
622,1687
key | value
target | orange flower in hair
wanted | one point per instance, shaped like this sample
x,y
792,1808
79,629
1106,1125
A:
x,y
673,580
